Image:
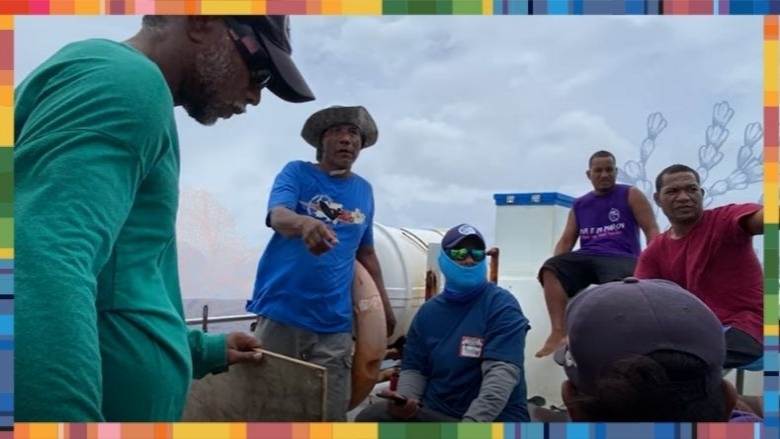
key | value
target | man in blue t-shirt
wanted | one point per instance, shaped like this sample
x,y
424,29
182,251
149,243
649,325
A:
x,y
463,357
322,215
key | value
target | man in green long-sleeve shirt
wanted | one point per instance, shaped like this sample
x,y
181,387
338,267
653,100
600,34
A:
x,y
100,332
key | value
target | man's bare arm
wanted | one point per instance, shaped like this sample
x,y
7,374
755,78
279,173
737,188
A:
x,y
366,255
643,213
568,237
286,222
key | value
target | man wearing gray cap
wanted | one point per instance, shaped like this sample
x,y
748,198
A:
x,y
322,215
100,331
644,351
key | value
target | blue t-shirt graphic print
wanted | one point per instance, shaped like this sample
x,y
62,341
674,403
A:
x,y
292,285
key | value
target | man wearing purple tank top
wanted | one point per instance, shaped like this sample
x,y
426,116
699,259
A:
x,y
607,222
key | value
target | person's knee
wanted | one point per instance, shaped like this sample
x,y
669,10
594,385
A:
x,y
547,275
556,287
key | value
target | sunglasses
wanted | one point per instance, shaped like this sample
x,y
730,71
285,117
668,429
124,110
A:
x,y
252,52
459,254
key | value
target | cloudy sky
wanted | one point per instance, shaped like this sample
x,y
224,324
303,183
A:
x,y
466,107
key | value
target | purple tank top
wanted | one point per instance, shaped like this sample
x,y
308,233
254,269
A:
x,y
606,224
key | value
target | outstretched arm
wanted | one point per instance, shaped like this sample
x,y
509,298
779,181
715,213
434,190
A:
x,y
753,224
284,219
282,202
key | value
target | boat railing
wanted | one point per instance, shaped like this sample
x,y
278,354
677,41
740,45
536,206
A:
x,y
205,319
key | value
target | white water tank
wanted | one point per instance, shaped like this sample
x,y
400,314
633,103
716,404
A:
x,y
528,225
403,256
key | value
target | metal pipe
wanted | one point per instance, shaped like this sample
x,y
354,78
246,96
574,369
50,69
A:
x,y
493,274
220,319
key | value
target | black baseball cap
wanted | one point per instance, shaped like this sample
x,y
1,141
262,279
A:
x,y
273,31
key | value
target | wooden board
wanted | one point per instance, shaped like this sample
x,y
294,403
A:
x,y
277,389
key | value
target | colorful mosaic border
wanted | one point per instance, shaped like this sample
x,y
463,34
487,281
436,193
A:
x,y
389,7
6,221
386,431
771,220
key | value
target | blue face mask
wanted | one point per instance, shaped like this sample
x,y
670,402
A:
x,y
462,282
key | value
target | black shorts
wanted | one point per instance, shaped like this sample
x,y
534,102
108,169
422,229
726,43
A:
x,y
577,271
741,349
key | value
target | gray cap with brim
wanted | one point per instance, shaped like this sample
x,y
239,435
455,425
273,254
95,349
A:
x,y
617,320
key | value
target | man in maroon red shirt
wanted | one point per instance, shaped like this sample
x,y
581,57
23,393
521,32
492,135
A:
x,y
710,253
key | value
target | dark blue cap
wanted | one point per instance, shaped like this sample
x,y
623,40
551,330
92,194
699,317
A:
x,y
458,233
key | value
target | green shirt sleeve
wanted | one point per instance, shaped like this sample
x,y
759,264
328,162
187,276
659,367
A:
x,y
209,353
87,133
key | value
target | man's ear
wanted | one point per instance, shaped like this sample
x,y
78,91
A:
x,y
569,396
203,28
657,199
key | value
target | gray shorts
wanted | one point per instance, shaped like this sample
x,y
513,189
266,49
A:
x,y
332,351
